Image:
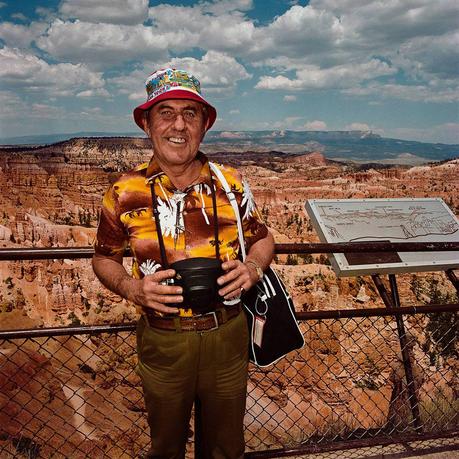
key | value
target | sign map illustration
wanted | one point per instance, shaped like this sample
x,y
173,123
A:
x,y
393,220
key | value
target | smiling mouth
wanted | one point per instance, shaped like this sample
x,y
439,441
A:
x,y
177,140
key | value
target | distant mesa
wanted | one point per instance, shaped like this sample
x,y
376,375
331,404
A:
x,y
356,146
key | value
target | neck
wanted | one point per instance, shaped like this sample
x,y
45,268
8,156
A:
x,y
182,175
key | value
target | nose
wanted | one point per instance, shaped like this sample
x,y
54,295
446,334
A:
x,y
179,122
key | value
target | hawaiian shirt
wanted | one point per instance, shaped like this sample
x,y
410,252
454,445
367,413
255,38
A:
x,y
186,217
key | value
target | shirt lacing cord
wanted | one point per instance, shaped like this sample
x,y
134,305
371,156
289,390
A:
x,y
178,198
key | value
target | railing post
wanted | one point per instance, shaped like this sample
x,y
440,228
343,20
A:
x,y
453,278
406,357
383,293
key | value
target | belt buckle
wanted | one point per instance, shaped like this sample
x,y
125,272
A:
x,y
214,315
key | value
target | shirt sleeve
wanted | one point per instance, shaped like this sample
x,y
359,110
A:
x,y
111,238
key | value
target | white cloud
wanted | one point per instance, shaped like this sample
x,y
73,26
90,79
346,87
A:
x,y
225,6
133,83
101,92
106,11
357,127
12,105
234,112
431,57
398,49
329,37
101,45
93,111
299,32
45,13
326,44
24,71
217,72
20,36
2,4
289,122
365,128
19,16
315,125
413,93
374,23
313,77
45,111
186,27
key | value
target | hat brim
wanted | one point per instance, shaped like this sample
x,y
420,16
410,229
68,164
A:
x,y
174,94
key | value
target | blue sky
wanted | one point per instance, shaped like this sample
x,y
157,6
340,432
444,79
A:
x,y
387,66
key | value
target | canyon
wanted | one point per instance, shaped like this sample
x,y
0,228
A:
x,y
51,198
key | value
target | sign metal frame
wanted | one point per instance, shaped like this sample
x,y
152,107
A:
x,y
391,220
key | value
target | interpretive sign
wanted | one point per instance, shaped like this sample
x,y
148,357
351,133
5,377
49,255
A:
x,y
392,220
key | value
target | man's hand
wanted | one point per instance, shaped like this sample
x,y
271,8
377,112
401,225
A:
x,y
152,291
239,277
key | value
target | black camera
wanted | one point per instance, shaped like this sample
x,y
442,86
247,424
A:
x,y
198,278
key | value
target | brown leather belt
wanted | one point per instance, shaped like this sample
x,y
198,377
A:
x,y
202,322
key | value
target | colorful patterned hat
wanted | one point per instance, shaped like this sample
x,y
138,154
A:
x,y
172,84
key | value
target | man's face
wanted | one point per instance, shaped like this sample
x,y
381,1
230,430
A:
x,y
176,128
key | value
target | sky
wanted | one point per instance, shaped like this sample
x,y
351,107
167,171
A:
x,y
389,66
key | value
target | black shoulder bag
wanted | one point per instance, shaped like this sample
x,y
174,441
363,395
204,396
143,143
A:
x,y
270,312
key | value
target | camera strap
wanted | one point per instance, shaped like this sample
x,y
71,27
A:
x,y
162,248
154,202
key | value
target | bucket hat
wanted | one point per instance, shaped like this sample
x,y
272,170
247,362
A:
x,y
171,83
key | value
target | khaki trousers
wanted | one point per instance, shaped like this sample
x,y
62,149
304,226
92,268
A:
x,y
177,367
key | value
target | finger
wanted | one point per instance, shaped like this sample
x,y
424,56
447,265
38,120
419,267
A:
x,y
231,290
235,294
162,308
236,281
162,289
169,298
159,276
230,264
228,277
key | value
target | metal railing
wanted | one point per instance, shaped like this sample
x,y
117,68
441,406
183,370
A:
x,y
73,391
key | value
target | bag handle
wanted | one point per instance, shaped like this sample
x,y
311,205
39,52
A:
x,y
233,202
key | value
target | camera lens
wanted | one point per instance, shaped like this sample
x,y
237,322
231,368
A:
x,y
198,278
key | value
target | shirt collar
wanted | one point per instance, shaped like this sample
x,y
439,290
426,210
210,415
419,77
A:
x,y
154,171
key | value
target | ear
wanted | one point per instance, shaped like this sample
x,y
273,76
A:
x,y
204,130
146,123
206,126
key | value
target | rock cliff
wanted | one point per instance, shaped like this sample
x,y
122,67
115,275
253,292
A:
x,y
51,198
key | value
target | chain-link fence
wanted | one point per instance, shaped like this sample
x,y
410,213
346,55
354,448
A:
x,y
74,393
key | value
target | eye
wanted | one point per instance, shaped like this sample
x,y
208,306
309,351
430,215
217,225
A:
x,y
189,114
166,114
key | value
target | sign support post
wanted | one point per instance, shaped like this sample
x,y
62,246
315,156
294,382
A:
x,y
392,300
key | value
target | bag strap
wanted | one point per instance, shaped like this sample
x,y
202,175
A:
x,y
214,207
159,232
233,202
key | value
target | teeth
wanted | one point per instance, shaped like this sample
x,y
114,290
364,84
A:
x,y
177,139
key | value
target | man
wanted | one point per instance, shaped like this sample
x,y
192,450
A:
x,y
182,354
